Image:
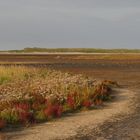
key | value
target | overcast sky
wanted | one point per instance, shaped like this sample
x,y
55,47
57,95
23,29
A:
x,y
69,23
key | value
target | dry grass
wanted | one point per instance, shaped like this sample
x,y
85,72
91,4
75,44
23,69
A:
x,y
29,95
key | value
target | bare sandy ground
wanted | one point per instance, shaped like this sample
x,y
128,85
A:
x,y
69,127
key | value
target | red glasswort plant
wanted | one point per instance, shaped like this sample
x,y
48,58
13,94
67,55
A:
x,y
2,124
87,104
53,110
70,101
23,110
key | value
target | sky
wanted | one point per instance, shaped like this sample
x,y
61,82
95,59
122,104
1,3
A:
x,y
69,23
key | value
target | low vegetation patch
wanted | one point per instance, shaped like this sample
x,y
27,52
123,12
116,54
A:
x,y
33,95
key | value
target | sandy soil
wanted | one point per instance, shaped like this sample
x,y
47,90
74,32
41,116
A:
x,y
119,127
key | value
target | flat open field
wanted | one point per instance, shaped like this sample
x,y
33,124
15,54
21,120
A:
x,y
123,68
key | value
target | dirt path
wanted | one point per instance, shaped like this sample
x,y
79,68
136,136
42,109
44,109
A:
x,y
122,127
80,125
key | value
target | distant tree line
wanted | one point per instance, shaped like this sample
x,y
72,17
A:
x,y
81,50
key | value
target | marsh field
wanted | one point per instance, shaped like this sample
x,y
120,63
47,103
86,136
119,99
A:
x,y
89,78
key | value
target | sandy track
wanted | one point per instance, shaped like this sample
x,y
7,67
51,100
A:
x,y
69,127
122,127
